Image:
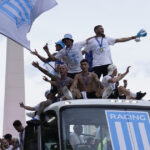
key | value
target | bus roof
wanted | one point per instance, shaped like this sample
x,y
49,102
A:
x,y
122,103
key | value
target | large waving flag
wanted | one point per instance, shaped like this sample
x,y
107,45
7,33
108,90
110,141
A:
x,y
17,16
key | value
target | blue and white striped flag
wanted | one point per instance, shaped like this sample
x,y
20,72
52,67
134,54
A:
x,y
130,130
17,16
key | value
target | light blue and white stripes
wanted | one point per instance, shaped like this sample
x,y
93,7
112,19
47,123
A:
x,y
17,17
129,130
17,10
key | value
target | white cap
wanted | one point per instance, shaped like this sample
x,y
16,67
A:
x,y
67,36
111,69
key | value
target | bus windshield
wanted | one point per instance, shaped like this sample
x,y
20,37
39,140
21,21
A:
x,y
85,129
105,129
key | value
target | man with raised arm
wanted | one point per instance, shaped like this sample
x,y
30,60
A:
x,y
61,82
36,65
87,82
71,55
111,79
99,45
59,45
38,108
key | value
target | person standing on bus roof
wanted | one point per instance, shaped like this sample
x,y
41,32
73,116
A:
x,y
59,45
99,45
71,55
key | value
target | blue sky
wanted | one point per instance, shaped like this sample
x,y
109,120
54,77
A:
x,y
78,17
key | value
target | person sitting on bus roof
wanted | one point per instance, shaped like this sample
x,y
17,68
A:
x,y
109,83
63,81
87,82
76,137
46,72
38,108
116,89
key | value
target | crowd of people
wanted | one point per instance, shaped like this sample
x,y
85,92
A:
x,y
8,142
83,70
80,77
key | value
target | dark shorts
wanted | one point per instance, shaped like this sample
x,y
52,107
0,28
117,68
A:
x,y
101,70
53,89
91,95
114,95
122,97
72,75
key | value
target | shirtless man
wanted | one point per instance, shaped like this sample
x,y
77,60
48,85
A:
x,y
87,82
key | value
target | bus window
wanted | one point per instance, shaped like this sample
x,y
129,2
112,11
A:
x,y
85,129
49,131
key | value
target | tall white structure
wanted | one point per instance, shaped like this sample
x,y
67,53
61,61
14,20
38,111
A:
x,y
14,87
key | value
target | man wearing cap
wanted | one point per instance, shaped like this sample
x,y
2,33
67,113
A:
x,y
99,45
59,45
71,55
111,79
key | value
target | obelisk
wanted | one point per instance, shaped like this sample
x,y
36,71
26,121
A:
x,y
14,87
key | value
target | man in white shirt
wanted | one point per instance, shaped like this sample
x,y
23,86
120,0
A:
x,y
111,79
59,45
99,45
71,55
76,137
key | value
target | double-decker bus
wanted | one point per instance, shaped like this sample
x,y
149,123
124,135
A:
x,y
101,123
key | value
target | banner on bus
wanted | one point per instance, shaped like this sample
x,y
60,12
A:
x,y
129,130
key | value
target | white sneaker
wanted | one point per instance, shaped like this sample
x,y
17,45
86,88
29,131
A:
x,y
84,95
107,92
67,93
31,114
